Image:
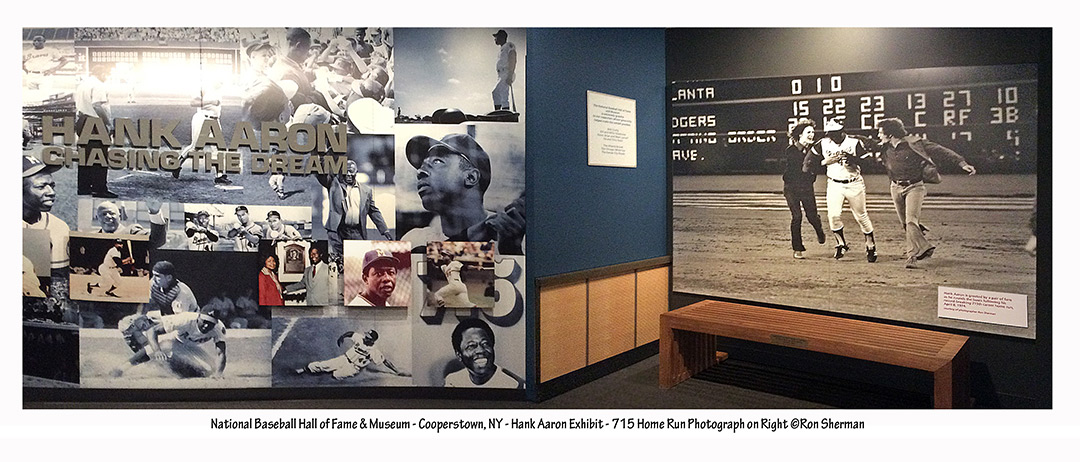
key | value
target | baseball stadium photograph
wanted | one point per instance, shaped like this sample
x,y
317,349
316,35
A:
x,y
484,67
886,193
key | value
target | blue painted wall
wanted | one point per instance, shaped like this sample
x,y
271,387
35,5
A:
x,y
581,217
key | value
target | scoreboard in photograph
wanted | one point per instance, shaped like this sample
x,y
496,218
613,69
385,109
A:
x,y
987,113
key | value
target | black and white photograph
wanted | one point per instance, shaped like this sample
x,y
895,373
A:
x,y
236,228
316,284
450,76
50,66
122,218
436,356
377,274
109,268
370,348
211,90
360,203
858,193
469,352
201,328
460,275
464,183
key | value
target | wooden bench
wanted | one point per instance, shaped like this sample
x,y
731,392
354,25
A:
x,y
688,345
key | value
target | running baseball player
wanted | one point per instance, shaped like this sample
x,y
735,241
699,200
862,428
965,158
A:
x,y
841,155
361,354
109,269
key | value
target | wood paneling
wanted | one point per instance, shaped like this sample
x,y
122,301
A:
x,y
562,329
611,316
652,301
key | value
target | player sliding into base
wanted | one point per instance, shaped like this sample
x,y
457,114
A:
x,y
175,339
361,354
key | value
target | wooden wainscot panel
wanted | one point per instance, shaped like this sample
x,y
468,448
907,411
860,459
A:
x,y
611,316
652,300
562,329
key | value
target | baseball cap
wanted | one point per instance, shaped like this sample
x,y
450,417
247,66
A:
x,y
420,147
500,32
376,255
254,45
32,166
202,213
833,126
239,208
273,213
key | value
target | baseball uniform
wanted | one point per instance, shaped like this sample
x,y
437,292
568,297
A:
x,y
355,359
501,379
845,184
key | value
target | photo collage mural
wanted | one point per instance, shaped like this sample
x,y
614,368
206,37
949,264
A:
x,y
273,207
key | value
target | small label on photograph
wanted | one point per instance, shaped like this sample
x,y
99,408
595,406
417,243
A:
x,y
983,306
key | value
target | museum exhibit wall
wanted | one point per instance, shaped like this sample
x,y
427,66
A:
x,y
587,217
583,216
1010,368
378,243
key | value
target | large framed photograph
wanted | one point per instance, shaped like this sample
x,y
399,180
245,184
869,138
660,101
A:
x,y
812,192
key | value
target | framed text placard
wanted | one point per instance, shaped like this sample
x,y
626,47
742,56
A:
x,y
612,130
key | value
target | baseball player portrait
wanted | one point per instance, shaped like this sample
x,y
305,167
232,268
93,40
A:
x,y
351,203
379,274
200,233
39,196
360,354
39,63
277,230
452,176
474,345
244,233
842,155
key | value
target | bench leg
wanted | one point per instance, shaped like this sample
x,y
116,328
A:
x,y
951,383
683,354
